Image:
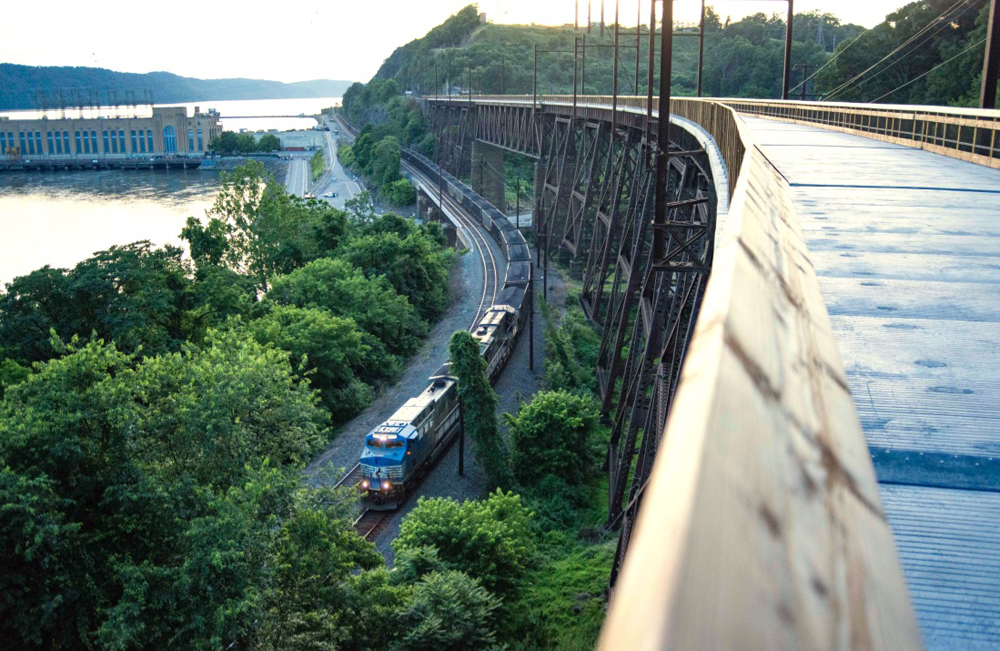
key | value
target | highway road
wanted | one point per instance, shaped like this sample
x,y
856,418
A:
x,y
336,179
297,181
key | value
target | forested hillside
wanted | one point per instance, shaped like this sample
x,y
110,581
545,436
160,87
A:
x,y
927,52
19,83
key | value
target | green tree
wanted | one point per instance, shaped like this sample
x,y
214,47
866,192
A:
x,y
141,500
327,349
490,540
269,143
268,231
416,266
211,413
401,192
133,294
479,406
317,556
343,290
555,435
449,612
571,351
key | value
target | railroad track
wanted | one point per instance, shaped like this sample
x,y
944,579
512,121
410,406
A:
x,y
491,270
369,524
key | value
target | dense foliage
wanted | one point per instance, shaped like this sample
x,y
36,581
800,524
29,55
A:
x,y
942,65
490,540
230,143
317,164
555,437
449,611
479,407
156,413
742,58
572,347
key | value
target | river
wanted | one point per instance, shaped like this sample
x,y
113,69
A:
x,y
61,218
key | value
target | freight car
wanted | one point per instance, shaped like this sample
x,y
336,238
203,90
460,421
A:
x,y
399,451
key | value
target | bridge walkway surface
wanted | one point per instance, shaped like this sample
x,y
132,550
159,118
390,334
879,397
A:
x,y
906,245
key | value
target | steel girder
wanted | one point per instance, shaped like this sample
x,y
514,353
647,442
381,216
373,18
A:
x,y
676,273
591,148
552,198
453,125
623,206
509,127
642,281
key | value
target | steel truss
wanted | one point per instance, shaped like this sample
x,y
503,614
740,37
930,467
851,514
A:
x,y
454,125
643,282
509,127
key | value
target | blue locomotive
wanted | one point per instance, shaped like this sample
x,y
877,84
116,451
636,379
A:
x,y
399,451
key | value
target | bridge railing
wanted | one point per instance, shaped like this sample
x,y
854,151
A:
x,y
965,133
761,526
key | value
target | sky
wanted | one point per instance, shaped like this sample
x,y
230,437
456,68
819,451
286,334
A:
x,y
297,40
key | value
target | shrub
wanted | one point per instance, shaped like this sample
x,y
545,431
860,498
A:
x,y
554,435
449,612
490,540
401,192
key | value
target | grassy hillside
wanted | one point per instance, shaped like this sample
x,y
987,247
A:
x,y
18,84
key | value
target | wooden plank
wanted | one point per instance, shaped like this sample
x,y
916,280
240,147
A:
x,y
762,526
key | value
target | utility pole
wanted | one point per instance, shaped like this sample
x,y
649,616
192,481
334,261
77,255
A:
x,y
576,49
638,35
583,67
787,70
805,74
649,81
461,439
991,62
534,82
663,130
602,18
517,210
589,23
503,85
701,44
576,15
614,78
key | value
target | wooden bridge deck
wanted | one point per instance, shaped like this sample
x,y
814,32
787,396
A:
x,y
906,246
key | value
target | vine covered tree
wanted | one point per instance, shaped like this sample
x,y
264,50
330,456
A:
x,y
479,404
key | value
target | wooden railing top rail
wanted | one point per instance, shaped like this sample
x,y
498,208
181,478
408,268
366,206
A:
x,y
968,134
762,526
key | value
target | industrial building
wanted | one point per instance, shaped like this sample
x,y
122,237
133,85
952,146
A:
x,y
169,131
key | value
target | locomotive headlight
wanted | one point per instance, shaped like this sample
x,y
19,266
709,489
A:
x,y
386,485
364,484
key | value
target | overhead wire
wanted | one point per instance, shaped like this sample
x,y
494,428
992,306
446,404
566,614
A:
x,y
974,45
943,24
944,17
829,61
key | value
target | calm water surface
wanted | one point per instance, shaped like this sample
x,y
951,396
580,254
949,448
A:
x,y
60,218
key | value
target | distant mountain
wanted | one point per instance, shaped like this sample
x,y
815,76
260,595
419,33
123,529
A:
x,y
18,86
